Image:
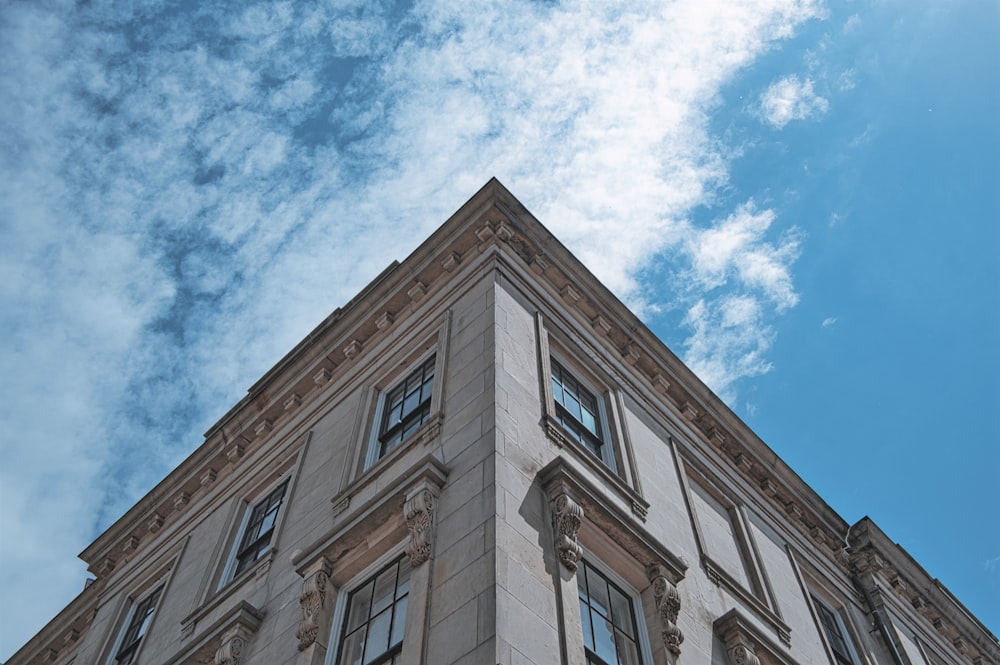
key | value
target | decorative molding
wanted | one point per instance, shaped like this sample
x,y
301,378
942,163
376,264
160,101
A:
x,y
384,320
601,325
293,402
322,377
451,261
235,452
418,511
263,427
668,606
154,523
234,643
352,350
313,602
744,641
131,543
417,292
630,354
567,516
559,477
660,384
208,477
689,412
570,294
181,500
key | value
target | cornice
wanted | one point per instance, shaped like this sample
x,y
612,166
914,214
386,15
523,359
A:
x,y
62,634
874,554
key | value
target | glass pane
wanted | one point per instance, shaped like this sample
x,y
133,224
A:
x,y
627,652
398,623
360,606
354,645
412,400
598,589
385,585
572,406
587,419
378,636
604,639
621,612
403,581
557,393
588,634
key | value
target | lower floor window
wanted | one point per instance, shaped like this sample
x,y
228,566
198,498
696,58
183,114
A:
x,y
833,628
609,626
376,614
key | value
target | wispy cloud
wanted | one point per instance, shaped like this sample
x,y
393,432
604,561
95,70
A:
x,y
185,193
829,321
791,99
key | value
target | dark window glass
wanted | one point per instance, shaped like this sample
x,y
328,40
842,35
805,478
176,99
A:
x,y
376,613
834,634
406,407
256,538
577,410
138,624
609,628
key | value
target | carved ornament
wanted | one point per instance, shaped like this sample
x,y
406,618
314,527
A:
x,y
418,511
567,516
668,606
313,601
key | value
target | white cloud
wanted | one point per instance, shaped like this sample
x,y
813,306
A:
x,y
791,99
829,321
182,201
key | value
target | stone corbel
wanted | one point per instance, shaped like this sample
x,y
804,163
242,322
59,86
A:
x,y
744,641
313,601
567,516
234,643
668,606
418,511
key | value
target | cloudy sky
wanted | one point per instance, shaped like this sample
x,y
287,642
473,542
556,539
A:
x,y
800,198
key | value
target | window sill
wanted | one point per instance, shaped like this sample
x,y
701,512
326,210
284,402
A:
x,y
722,578
638,504
242,621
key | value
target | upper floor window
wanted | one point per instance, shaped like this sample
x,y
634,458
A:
x,y
138,623
259,530
609,625
375,617
836,634
580,413
406,407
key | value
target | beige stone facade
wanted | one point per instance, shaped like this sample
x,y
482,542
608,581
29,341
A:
x,y
486,458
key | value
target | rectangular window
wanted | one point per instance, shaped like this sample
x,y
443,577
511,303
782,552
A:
x,y
406,407
138,624
608,617
580,413
255,538
375,618
836,635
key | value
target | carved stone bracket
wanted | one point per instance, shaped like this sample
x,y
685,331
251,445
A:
x,y
234,643
744,641
418,511
567,516
668,606
313,601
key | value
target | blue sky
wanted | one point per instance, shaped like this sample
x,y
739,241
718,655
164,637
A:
x,y
800,198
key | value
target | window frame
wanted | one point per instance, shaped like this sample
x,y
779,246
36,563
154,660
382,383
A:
x,y
345,592
374,451
821,605
232,569
134,647
577,429
643,650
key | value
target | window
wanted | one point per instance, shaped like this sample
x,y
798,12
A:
x,y
376,613
138,623
836,635
406,407
580,413
608,618
257,533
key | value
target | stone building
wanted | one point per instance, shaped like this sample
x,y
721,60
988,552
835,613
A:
x,y
486,458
